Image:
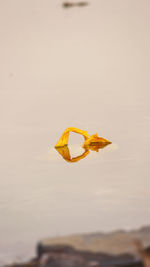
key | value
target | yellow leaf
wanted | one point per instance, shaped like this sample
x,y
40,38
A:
x,y
93,142
63,141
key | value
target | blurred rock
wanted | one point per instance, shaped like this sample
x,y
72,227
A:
x,y
71,4
81,4
61,255
116,242
67,4
114,249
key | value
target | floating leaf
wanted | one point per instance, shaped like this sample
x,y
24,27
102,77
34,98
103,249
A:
x,y
63,141
95,140
89,141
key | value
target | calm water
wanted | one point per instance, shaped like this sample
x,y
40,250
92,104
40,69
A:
x,y
82,67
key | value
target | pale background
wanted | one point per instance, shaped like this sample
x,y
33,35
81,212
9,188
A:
x,y
82,67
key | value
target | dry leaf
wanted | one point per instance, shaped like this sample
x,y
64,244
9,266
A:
x,y
93,140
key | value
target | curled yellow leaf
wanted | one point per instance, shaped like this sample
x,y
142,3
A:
x,y
93,140
63,141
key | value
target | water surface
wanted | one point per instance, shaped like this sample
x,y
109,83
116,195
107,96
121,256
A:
x,y
86,68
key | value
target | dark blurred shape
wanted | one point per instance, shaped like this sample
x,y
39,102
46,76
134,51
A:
x,y
42,249
81,4
67,256
62,260
67,4
71,4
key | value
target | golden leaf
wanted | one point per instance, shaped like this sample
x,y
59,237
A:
x,y
63,141
95,140
89,141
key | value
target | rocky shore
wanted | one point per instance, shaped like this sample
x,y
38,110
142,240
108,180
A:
x,y
120,249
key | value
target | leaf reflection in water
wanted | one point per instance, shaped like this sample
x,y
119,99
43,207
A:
x,y
65,152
